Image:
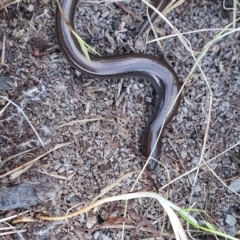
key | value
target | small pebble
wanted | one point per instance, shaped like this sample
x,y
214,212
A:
x,y
91,221
82,218
61,170
105,237
183,154
105,14
148,99
135,87
197,189
195,160
230,220
96,235
192,178
5,83
213,165
231,230
74,199
235,185
81,11
30,8
224,107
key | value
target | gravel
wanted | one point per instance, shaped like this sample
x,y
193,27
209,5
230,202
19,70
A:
x,y
52,93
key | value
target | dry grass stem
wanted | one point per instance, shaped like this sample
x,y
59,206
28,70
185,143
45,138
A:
x,y
168,206
200,165
13,216
17,1
16,155
110,187
4,108
34,160
3,51
12,232
20,110
81,121
68,178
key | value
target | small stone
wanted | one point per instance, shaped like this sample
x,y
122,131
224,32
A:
x,y
135,87
234,87
197,189
73,199
82,218
105,14
91,221
115,25
81,11
85,138
105,237
139,45
57,166
224,107
195,160
192,178
148,99
30,8
213,165
61,170
235,185
185,109
183,154
216,48
74,130
231,230
5,83
230,220
96,235
110,51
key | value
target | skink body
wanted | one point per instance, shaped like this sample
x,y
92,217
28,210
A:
x,y
161,76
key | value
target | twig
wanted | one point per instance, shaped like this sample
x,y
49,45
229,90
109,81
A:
x,y
5,107
3,51
8,139
34,160
13,216
17,1
201,165
234,13
81,121
11,157
130,12
19,109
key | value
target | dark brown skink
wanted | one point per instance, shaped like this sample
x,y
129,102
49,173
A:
x,y
162,77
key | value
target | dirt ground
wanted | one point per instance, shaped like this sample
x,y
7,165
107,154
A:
x,y
104,143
